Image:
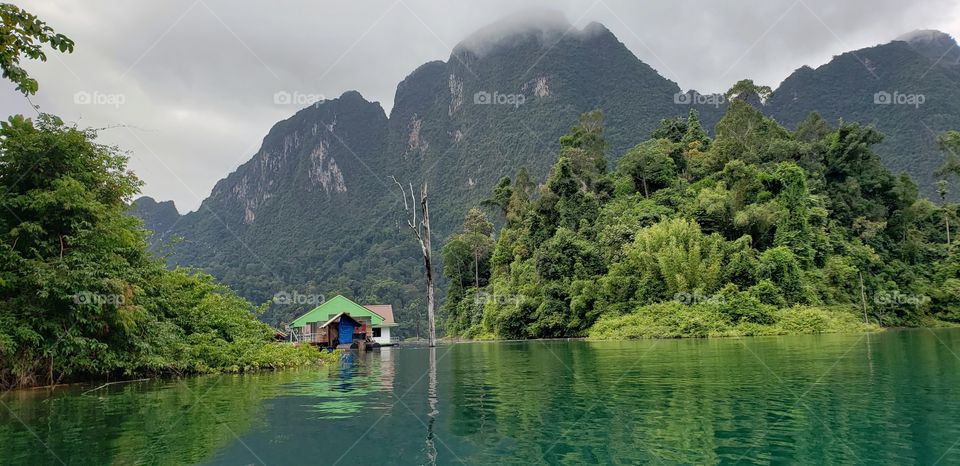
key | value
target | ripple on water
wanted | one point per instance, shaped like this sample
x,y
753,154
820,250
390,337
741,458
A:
x,y
887,399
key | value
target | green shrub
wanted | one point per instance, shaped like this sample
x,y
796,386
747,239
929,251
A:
x,y
663,320
801,319
744,307
675,320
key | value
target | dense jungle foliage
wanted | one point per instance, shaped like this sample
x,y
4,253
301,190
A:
x,y
760,230
82,296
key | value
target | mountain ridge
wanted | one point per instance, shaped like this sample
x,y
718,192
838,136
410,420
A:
x,y
893,86
315,208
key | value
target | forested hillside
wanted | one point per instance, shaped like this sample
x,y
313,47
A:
x,y
315,211
760,230
909,89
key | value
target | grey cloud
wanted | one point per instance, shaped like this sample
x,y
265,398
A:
x,y
547,25
198,77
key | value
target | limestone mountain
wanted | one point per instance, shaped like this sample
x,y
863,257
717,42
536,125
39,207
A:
x,y
316,210
502,102
935,45
908,88
158,217
296,213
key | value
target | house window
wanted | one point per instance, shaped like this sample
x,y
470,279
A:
x,y
376,332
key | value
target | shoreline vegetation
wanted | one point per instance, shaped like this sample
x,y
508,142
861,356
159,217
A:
x,y
100,382
673,320
665,332
83,298
758,230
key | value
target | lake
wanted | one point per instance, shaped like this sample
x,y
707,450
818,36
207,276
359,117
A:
x,y
892,397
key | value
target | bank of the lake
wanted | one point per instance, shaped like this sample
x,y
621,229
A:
x,y
669,320
887,397
675,320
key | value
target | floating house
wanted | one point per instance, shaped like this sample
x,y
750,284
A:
x,y
340,320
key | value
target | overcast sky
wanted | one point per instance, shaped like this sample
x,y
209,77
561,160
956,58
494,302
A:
x,y
194,80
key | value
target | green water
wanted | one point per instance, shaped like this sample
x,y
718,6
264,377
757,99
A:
x,y
888,398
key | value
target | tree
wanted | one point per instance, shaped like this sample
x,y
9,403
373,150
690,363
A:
x,y
421,231
649,166
65,243
812,129
567,256
584,146
942,191
562,180
675,256
950,145
860,189
477,235
749,92
568,201
673,129
466,261
793,230
587,135
502,193
457,264
746,133
81,296
695,133
519,197
23,35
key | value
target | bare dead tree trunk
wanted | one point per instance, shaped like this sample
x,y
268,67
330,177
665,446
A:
x,y
428,263
421,231
863,298
947,219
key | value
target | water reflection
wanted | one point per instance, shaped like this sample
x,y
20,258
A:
x,y
386,368
884,398
814,400
179,421
432,402
153,423
356,378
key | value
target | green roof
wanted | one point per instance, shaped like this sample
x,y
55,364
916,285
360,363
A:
x,y
335,306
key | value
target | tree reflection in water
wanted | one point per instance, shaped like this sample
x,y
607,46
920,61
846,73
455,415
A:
x,y
432,402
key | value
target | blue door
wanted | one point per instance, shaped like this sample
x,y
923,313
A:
x,y
346,331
